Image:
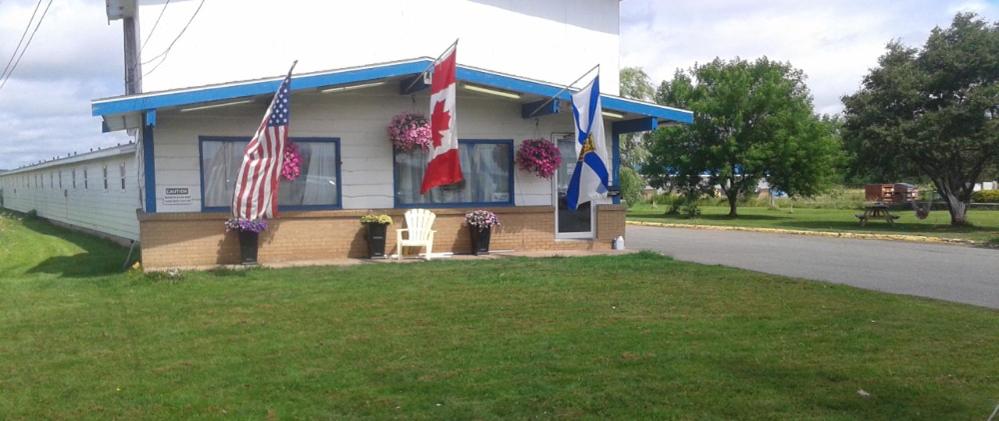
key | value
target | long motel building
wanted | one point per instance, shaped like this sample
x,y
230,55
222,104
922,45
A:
x,y
192,110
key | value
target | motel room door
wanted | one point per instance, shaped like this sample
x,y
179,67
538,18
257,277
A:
x,y
569,223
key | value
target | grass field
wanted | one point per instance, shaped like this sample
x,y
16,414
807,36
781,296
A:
x,y
620,337
986,223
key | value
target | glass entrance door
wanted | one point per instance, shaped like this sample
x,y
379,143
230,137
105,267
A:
x,y
569,223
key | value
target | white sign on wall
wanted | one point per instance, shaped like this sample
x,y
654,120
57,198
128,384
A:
x,y
177,196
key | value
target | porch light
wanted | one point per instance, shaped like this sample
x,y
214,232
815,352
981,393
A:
x,y
351,87
609,114
504,94
218,105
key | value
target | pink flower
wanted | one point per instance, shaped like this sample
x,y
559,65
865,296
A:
x,y
539,156
292,168
409,131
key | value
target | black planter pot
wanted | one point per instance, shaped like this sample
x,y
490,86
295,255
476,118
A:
x,y
376,240
248,247
480,240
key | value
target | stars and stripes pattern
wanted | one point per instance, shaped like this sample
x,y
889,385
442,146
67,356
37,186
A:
x,y
256,195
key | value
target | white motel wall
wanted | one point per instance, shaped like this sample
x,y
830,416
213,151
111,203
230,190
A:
x,y
98,204
551,40
358,119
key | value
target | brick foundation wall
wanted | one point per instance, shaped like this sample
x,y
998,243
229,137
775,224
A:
x,y
185,240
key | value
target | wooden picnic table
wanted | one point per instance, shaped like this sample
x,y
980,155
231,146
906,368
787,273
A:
x,y
876,210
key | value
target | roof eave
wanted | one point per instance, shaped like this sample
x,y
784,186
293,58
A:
x,y
122,106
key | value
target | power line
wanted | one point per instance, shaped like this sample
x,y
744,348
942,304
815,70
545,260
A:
x,y
19,42
166,52
155,24
27,44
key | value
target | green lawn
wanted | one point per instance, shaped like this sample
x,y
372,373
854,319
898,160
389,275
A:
x,y
621,337
986,223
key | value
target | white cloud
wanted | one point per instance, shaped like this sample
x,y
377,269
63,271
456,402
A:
x,y
77,55
835,43
45,107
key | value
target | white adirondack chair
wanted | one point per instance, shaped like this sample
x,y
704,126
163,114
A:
x,y
419,234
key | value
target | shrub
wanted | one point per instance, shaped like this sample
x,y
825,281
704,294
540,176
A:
x,y
631,186
985,196
687,206
32,214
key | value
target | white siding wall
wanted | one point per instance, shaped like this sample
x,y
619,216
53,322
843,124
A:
x,y
359,119
110,211
550,40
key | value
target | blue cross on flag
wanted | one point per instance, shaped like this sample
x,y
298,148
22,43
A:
x,y
590,178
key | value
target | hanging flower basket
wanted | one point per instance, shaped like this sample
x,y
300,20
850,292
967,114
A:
x,y
539,157
292,162
409,131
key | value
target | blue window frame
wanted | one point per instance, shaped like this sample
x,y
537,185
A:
x,y
318,188
487,167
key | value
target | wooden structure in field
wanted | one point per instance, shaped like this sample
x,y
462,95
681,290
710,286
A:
x,y
891,193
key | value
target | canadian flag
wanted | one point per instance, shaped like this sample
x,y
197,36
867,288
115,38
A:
x,y
444,166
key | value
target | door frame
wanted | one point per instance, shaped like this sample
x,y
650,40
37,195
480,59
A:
x,y
580,235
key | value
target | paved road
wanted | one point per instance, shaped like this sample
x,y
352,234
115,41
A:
x,y
947,272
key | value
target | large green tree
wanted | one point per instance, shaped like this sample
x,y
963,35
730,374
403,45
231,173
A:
x,y
635,84
932,112
752,120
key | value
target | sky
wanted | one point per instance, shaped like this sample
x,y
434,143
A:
x,y
76,54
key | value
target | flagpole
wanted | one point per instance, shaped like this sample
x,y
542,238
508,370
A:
x,y
565,88
420,76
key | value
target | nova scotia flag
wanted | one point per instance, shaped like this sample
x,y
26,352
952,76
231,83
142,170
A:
x,y
590,178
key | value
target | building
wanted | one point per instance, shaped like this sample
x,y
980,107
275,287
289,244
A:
x,y
194,98
96,192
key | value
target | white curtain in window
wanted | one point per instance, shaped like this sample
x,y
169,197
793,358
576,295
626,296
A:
x,y
317,184
486,167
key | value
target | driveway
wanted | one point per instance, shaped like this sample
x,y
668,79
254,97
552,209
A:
x,y
946,272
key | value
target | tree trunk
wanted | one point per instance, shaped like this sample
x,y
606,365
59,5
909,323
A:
x,y
732,198
958,210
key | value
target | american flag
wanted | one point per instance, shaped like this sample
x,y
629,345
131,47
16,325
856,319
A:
x,y
257,182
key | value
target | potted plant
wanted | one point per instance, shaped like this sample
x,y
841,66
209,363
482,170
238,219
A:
x,y
409,131
539,157
481,223
376,226
249,232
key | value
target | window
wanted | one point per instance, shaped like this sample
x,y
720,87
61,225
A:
x,y
86,181
317,188
105,172
60,179
121,173
52,180
74,177
487,167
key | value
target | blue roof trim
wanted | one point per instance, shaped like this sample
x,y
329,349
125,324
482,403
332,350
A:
x,y
612,103
152,101
218,93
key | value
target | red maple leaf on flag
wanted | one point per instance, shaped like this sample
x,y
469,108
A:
x,y
440,121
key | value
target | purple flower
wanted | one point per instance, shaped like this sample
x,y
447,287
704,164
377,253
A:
x,y
246,225
539,156
481,219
